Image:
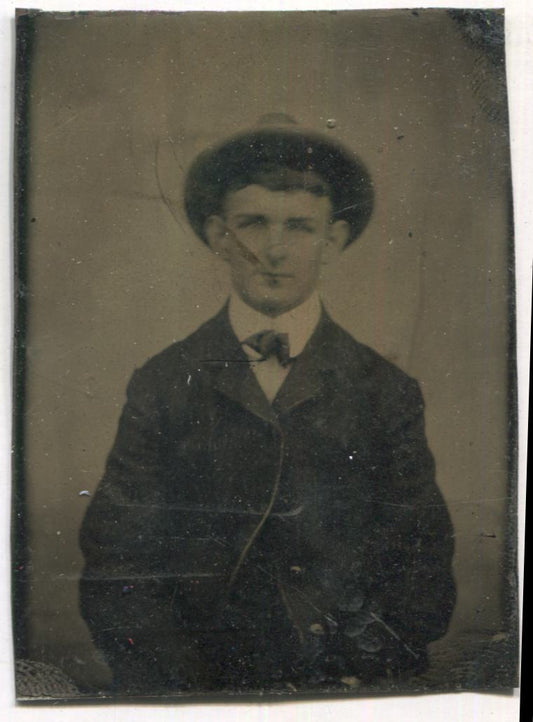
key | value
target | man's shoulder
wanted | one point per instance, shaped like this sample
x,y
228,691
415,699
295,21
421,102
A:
x,y
354,358
364,377
202,344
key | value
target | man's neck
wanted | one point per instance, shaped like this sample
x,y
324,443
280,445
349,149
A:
x,y
299,323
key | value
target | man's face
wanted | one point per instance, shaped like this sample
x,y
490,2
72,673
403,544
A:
x,y
275,243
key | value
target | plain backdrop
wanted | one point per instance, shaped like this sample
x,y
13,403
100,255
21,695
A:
x,y
119,108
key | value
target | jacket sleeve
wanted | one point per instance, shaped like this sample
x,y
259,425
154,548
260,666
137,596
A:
x,y
125,590
406,593
413,586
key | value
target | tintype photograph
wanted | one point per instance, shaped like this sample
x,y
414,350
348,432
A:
x,y
265,390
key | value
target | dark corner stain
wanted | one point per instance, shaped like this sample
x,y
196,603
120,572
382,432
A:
x,y
399,137
484,30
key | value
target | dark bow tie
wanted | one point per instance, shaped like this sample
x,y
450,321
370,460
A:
x,y
269,343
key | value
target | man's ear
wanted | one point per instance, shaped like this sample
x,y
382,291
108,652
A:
x,y
338,235
217,236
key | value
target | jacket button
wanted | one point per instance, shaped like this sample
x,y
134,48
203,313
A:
x,y
295,569
317,629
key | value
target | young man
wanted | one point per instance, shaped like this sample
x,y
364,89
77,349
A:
x,y
269,517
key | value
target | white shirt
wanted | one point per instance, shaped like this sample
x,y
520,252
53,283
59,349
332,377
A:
x,y
298,323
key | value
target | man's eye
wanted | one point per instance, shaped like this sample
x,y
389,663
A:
x,y
251,223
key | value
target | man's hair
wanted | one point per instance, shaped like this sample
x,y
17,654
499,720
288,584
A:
x,y
279,178
279,159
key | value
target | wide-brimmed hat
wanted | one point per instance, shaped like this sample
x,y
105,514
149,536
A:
x,y
239,159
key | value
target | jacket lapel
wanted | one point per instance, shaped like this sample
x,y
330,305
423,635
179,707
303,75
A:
x,y
237,381
311,371
233,377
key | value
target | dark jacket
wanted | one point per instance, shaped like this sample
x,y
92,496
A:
x,y
309,533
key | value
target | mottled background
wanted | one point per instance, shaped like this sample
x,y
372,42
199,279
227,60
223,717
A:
x,y
119,104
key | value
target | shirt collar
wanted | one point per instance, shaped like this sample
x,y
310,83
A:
x,y
299,323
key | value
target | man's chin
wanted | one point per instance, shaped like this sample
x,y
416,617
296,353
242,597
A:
x,y
271,304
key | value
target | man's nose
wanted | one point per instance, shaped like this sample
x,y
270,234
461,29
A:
x,y
276,247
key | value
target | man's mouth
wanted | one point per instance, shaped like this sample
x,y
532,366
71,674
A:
x,y
275,274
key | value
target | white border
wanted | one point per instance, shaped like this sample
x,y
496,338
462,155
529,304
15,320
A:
x,y
457,707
